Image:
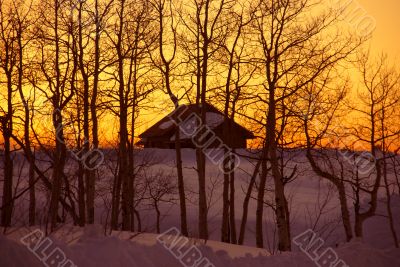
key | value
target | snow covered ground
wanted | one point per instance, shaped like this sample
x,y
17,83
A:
x,y
93,246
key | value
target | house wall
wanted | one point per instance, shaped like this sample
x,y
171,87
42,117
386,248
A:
x,y
238,141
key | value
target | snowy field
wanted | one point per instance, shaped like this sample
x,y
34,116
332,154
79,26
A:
x,y
313,204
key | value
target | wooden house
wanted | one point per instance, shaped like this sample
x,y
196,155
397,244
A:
x,y
162,134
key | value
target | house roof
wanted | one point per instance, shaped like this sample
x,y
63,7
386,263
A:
x,y
214,118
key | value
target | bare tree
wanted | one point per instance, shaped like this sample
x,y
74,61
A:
x,y
378,102
55,69
235,59
128,38
8,64
166,66
160,189
24,35
202,35
246,201
320,109
287,68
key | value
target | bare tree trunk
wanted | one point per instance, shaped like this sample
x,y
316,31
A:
x,y
181,185
336,181
123,165
59,100
345,211
232,220
31,159
157,217
207,17
7,201
115,203
58,169
32,197
93,108
284,243
20,28
80,174
246,203
200,157
131,164
89,176
226,227
166,71
81,196
225,203
59,156
360,217
123,175
137,214
388,203
96,73
203,210
358,222
7,63
201,160
260,204
76,58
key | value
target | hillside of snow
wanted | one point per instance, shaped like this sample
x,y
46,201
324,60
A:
x,y
90,248
96,246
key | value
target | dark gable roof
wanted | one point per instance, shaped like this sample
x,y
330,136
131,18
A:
x,y
168,127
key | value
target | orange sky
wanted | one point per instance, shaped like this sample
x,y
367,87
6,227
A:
x,y
386,37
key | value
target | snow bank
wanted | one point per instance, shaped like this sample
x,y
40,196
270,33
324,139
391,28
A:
x,y
13,254
92,248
